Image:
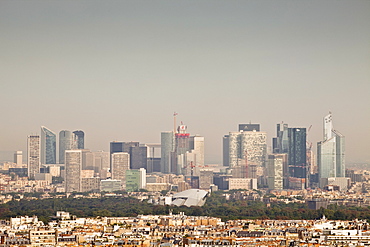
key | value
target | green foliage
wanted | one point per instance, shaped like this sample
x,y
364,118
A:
x,y
216,206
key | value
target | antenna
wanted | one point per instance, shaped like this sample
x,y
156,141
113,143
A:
x,y
174,122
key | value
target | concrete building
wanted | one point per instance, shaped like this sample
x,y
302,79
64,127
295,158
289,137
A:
x,y
205,179
248,149
73,170
275,168
110,185
120,165
135,179
33,155
48,146
18,158
331,152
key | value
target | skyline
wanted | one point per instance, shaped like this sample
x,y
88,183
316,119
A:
x,y
118,70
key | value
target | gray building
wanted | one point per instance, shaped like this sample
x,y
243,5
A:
x,y
66,142
167,149
33,155
73,168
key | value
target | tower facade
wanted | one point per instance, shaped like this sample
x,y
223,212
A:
x,y
79,139
297,153
120,164
66,142
73,168
167,149
331,152
33,155
48,146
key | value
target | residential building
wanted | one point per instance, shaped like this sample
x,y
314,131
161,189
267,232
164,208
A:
x,y
18,158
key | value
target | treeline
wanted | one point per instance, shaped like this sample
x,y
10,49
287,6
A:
x,y
216,206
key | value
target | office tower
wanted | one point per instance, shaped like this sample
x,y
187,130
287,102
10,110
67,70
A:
x,y
248,149
18,158
280,144
249,127
297,153
66,142
167,148
101,161
73,169
275,168
225,150
33,155
196,143
154,157
79,139
120,164
48,146
205,178
138,157
331,152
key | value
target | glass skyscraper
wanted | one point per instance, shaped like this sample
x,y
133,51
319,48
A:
x,y
79,136
331,152
66,142
48,146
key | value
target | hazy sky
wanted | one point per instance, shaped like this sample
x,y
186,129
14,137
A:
x,y
119,69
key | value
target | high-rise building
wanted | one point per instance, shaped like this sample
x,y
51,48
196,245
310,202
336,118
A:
x,y
73,170
297,153
33,155
275,168
66,142
138,157
79,137
167,148
18,157
48,146
120,164
331,152
247,149
280,144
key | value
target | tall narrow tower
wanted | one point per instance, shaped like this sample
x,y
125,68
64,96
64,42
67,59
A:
x,y
33,155
66,142
48,146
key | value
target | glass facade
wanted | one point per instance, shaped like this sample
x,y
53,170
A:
x,y
167,147
65,143
48,146
79,136
297,152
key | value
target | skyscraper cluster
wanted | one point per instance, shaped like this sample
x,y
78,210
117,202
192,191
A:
x,y
248,163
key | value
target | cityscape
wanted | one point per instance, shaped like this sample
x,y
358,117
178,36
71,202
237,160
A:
x,y
184,123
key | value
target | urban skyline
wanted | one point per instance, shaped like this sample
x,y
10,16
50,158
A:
x,y
67,65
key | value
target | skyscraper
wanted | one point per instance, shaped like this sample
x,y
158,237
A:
x,y
297,153
73,168
331,152
167,148
33,155
247,152
280,144
79,136
120,164
66,142
48,146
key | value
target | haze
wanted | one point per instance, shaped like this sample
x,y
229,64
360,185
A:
x,y
119,69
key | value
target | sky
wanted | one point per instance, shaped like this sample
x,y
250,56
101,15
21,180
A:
x,y
118,70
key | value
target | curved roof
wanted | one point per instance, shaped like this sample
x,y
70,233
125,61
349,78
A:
x,y
192,197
